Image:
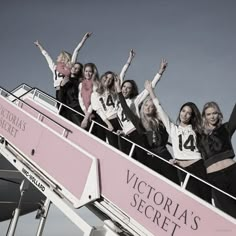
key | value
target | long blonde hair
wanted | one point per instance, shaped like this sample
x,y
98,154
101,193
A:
x,y
101,89
65,57
150,123
95,76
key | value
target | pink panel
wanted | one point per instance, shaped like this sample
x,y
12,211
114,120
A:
x,y
160,208
44,119
56,156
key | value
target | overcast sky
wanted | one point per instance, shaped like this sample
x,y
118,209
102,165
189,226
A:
x,y
197,37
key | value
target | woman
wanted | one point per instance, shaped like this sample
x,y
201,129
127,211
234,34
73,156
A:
x,y
104,101
89,84
62,68
184,136
68,95
150,133
216,148
129,90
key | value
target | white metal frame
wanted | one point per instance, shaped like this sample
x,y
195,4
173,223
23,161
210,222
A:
x,y
105,206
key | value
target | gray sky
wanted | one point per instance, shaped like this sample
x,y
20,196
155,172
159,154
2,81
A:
x,y
196,37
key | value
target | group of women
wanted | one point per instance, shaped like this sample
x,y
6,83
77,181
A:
x,y
201,143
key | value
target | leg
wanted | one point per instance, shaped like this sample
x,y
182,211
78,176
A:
x,y
194,185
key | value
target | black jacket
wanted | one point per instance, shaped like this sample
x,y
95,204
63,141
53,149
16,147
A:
x,y
217,145
68,94
155,140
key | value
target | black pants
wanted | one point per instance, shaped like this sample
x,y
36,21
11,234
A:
x,y
138,153
72,115
162,167
57,98
113,138
225,180
98,130
194,185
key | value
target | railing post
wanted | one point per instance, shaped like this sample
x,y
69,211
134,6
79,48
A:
x,y
12,227
131,150
186,181
59,109
43,216
34,94
91,127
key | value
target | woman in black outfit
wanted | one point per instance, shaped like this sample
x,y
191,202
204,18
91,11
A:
x,y
152,133
68,95
217,151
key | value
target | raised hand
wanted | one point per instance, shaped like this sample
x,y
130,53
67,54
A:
x,y
163,65
87,35
132,53
131,56
37,43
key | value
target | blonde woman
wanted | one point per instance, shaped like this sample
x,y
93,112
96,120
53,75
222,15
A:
x,y
150,133
62,68
217,151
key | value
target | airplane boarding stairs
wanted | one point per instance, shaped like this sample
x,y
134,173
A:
x,y
72,168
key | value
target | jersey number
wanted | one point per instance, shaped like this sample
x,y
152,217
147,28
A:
x,y
188,144
108,103
58,75
123,117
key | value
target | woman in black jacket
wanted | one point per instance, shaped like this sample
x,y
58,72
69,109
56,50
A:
x,y
217,151
152,133
68,95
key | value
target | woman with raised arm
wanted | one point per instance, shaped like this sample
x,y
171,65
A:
x,y
184,142
103,101
62,68
150,133
129,90
217,151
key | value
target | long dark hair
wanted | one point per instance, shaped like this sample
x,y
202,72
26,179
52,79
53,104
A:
x,y
195,119
80,73
134,90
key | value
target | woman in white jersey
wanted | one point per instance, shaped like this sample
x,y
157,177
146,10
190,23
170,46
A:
x,y
184,142
104,101
62,68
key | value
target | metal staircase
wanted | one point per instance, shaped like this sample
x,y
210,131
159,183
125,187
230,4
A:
x,y
72,168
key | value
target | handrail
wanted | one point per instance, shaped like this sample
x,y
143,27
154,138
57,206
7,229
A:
x,y
133,145
19,99
20,86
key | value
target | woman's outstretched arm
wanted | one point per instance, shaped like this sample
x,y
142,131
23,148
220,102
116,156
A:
x,y
126,66
142,96
46,55
162,114
79,46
